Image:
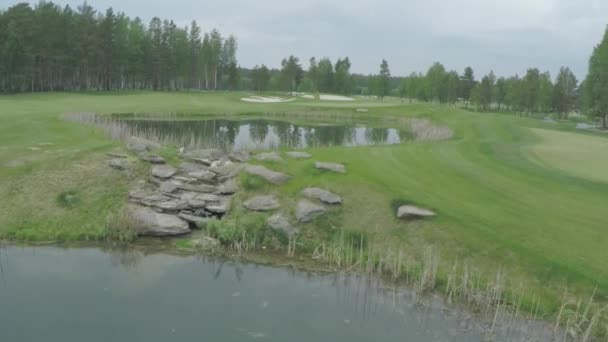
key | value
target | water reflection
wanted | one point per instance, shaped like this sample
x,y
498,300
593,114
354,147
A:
x,y
261,134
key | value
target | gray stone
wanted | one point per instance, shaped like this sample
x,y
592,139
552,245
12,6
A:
x,y
205,155
222,208
117,155
163,171
239,156
198,221
269,175
306,211
262,203
139,145
146,221
119,164
204,188
322,195
269,156
413,212
228,188
200,200
151,158
187,167
335,167
168,187
298,155
171,205
203,175
281,223
226,170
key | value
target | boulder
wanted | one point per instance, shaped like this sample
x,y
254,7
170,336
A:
x,y
298,155
306,211
269,175
262,203
204,188
228,188
205,156
413,212
140,145
226,170
151,158
335,167
281,223
163,171
203,176
269,156
239,156
322,195
198,221
171,205
197,200
146,221
222,208
119,164
168,187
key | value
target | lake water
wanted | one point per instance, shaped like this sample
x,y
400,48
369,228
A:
x,y
85,294
261,134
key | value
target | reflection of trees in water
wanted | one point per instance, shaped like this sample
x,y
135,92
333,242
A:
x,y
258,130
376,135
129,258
289,135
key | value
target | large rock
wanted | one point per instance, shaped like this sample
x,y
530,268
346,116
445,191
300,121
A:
x,y
298,155
203,176
204,188
119,164
163,171
205,156
306,211
187,167
269,175
239,156
139,145
226,170
222,208
322,195
146,221
168,187
262,203
335,167
151,158
281,223
200,200
269,156
228,188
171,205
413,212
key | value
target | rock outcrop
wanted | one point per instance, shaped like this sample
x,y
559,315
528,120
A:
x,y
262,203
335,167
146,221
322,195
163,171
269,175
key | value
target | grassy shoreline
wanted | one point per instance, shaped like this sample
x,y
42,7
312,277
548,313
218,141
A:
x,y
502,201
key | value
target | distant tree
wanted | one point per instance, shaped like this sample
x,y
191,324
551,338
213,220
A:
x,y
194,40
452,84
291,73
500,92
313,74
343,81
326,76
532,90
596,83
467,83
486,91
564,92
434,80
384,79
545,92
261,78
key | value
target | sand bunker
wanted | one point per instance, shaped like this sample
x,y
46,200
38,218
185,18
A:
x,y
266,99
325,97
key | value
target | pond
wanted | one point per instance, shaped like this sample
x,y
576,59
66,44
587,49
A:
x,y
86,294
261,133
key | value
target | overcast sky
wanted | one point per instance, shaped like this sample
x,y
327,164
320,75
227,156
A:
x,y
506,36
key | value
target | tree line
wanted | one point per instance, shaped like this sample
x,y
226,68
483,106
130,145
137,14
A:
x,y
51,48
48,48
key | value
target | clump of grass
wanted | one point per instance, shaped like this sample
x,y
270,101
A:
x,y
252,183
184,244
120,227
68,199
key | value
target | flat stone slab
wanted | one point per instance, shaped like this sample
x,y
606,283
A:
x,y
413,212
298,155
239,156
269,156
228,188
322,195
335,167
197,200
149,222
281,223
269,175
168,187
203,175
119,164
204,188
306,211
210,154
198,221
262,203
151,158
188,167
163,171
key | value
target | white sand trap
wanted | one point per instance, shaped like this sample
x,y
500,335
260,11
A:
x,y
266,99
327,97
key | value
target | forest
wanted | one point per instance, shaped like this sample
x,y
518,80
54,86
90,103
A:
x,y
49,48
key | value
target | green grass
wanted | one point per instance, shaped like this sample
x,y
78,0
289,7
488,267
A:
x,y
508,194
